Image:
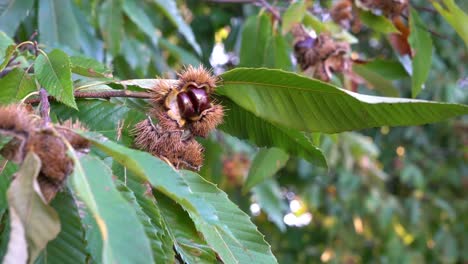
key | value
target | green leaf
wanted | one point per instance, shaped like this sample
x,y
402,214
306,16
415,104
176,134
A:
x,y
7,56
389,69
266,134
225,227
57,24
12,13
114,120
140,18
236,240
181,54
268,195
70,245
256,33
92,182
187,242
153,234
15,86
297,102
376,81
5,42
169,8
111,24
33,222
7,169
421,44
54,74
266,164
293,15
378,23
277,54
162,245
89,67
454,16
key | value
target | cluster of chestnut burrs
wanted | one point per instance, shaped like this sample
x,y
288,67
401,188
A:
x,y
183,111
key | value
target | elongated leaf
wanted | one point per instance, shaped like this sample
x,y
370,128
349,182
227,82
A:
x,y
69,246
57,24
54,74
309,105
162,245
376,81
225,227
169,8
255,36
16,85
266,164
12,13
150,230
277,54
89,67
421,44
92,182
268,195
31,218
378,23
454,16
134,11
266,134
111,24
293,15
188,243
242,243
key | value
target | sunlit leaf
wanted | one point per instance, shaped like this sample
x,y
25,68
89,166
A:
x,y
378,23
92,182
305,104
455,16
293,15
225,227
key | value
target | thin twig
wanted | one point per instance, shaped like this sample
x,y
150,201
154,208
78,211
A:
x,y
45,105
103,94
270,9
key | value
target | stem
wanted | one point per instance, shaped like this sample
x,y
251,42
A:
x,y
104,94
270,9
45,105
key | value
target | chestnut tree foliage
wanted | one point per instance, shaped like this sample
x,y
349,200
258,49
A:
x,y
102,161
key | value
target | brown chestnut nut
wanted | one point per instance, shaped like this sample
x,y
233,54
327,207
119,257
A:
x,y
186,107
200,99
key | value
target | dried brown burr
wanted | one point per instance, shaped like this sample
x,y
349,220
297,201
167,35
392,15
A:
x,y
389,8
322,54
183,111
31,134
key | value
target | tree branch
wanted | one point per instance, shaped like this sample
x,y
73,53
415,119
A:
x,y
103,94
